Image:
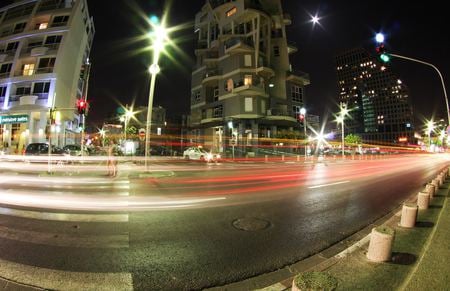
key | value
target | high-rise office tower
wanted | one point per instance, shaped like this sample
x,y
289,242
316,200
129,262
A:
x,y
378,101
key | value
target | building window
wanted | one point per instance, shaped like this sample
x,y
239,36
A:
x,y
276,51
42,25
248,60
297,94
23,91
218,111
12,46
19,27
248,104
28,70
216,94
53,39
5,69
41,87
248,80
60,20
3,91
197,96
46,65
231,12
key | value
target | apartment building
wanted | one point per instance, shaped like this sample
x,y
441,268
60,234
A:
x,y
44,63
243,85
380,109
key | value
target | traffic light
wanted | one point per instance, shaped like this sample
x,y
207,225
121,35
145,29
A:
x,y
82,106
300,118
383,56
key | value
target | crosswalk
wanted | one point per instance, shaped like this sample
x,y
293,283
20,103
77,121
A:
x,y
34,226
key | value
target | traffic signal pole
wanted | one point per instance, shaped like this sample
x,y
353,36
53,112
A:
x,y
439,73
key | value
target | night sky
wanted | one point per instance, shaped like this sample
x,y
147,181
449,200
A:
x,y
415,29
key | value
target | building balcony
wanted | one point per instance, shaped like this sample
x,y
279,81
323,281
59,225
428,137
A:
x,y
292,47
32,72
298,77
55,6
5,75
42,50
239,45
217,3
280,114
211,76
287,20
265,71
251,89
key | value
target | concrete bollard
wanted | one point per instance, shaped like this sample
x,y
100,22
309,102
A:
x,y
380,246
298,158
430,189
409,215
423,200
266,158
436,185
282,158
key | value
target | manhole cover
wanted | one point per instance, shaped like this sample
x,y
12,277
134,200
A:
x,y
251,224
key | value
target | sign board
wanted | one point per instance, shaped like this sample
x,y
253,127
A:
x,y
10,119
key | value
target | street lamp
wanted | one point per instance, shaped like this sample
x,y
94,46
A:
x,y
129,113
303,112
430,128
159,38
340,119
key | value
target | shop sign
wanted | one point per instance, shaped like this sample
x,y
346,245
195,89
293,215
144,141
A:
x,y
9,119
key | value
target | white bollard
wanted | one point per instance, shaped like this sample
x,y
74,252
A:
x,y
282,158
436,185
409,215
298,158
430,189
380,246
423,200
266,158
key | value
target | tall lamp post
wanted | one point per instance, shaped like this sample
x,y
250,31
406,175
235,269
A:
x,y
159,38
340,119
303,112
386,57
430,128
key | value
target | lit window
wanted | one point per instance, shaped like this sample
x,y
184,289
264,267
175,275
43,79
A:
x,y
43,25
231,11
248,80
28,69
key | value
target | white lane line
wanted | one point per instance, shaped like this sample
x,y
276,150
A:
x,y
65,240
64,216
64,280
326,185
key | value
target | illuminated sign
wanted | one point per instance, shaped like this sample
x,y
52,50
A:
x,y
9,119
402,139
231,11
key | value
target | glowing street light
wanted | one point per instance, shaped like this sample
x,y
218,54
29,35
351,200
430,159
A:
x,y
159,38
430,128
340,119
129,113
379,37
303,113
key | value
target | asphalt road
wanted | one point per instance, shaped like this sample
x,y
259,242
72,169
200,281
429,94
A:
x,y
200,226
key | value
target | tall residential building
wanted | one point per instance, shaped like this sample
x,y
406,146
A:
x,y
378,101
243,85
44,59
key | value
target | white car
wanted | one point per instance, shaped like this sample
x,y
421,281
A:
x,y
198,153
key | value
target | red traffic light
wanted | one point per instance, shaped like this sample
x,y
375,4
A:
x,y
81,106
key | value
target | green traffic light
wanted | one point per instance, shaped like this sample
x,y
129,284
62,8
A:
x,y
385,58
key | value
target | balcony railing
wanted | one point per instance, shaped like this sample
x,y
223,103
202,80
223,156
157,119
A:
x,y
212,73
34,72
54,5
217,3
238,40
53,46
281,112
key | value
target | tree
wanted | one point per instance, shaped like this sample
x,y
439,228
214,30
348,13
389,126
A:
x,y
353,139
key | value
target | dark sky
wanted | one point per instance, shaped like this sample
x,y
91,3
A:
x,y
413,29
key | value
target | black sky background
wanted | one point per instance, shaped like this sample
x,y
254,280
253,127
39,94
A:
x,y
415,29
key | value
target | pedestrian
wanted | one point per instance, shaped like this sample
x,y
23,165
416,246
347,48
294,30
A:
x,y
112,160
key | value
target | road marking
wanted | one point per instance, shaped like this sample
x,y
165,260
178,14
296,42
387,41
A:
x,y
64,216
64,280
326,185
66,240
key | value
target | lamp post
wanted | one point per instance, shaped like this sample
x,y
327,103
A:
x,y
430,127
340,119
128,114
303,112
158,38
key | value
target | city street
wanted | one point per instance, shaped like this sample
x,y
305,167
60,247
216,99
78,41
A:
x,y
189,225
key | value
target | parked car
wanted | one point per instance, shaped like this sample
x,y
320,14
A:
x,y
41,149
75,150
198,153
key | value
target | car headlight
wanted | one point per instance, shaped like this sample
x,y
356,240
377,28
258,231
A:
x,y
209,156
218,156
